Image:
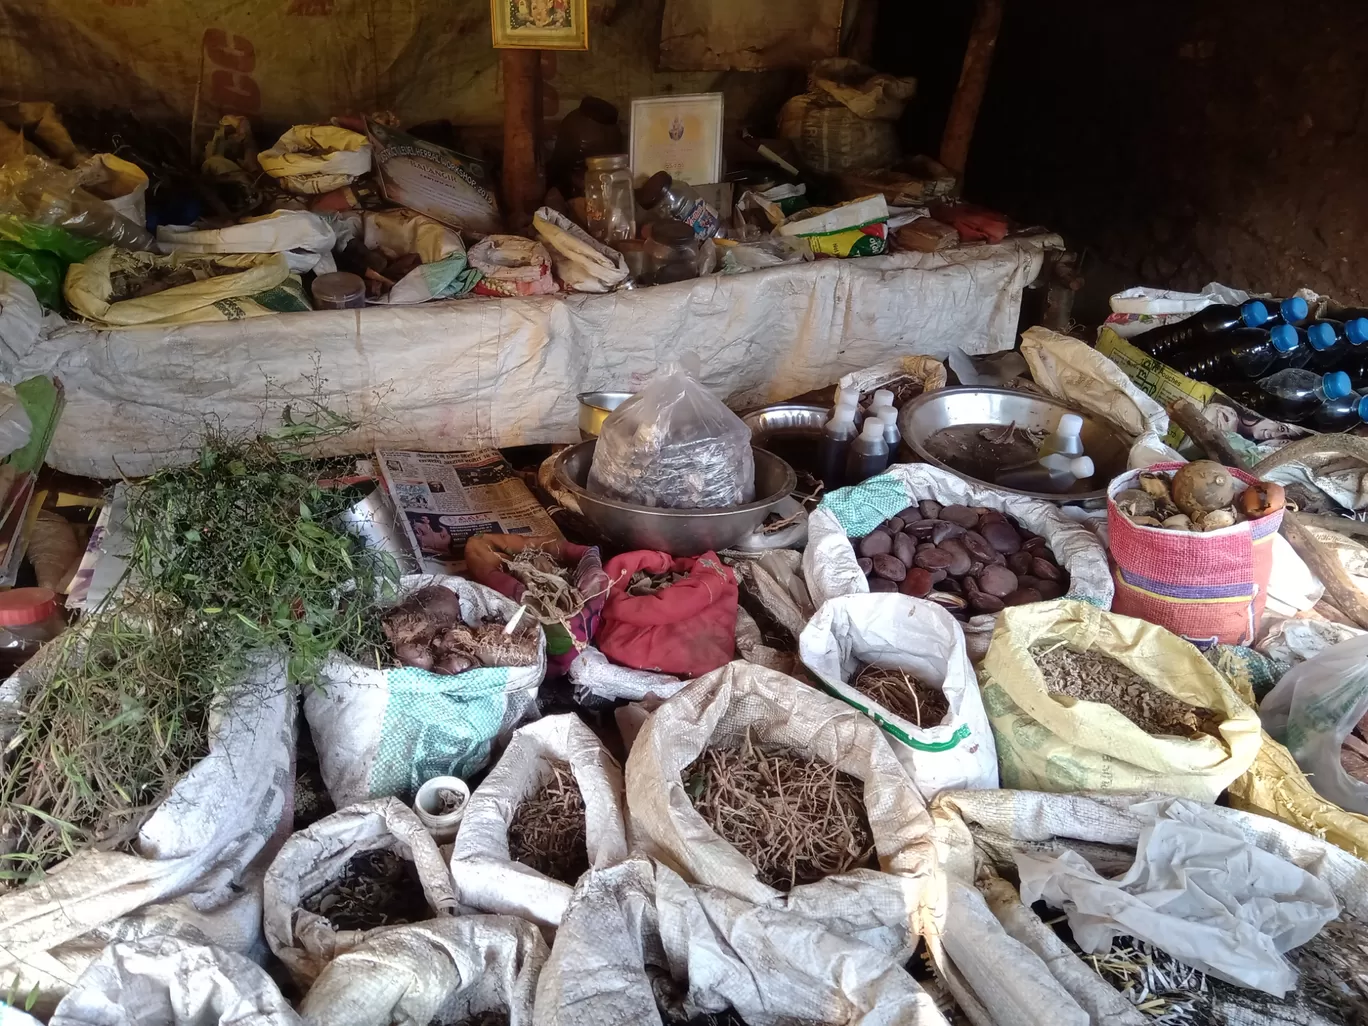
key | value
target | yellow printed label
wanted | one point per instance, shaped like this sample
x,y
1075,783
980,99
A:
x,y
1154,377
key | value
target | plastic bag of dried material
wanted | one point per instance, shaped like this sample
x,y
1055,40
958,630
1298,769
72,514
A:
x,y
674,444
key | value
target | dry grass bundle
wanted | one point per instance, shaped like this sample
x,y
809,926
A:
x,y
903,694
377,888
548,830
551,596
798,819
1093,677
643,583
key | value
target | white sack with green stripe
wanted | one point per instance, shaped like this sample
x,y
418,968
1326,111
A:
x,y
382,733
829,561
904,633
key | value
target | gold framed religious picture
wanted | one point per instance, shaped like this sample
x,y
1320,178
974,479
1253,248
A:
x,y
540,24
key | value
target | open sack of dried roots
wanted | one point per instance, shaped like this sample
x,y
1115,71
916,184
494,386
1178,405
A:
x,y
1212,916
562,586
1082,699
382,729
369,866
639,945
549,810
902,660
463,971
767,788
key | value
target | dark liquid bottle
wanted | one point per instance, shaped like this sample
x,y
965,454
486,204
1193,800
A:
x,y
1292,310
1292,396
1333,340
1356,366
1164,342
1341,414
1238,353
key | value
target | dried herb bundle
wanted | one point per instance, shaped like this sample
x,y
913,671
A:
x,y
903,694
1093,677
798,819
377,888
551,596
548,830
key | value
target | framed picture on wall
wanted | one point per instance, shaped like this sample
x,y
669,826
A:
x,y
679,134
540,24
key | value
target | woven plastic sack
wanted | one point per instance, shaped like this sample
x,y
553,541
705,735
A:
x,y
1207,586
316,856
901,632
831,138
486,876
162,981
583,264
674,444
511,266
743,701
596,678
385,732
636,931
313,159
1061,744
245,285
830,563
1313,709
306,239
440,971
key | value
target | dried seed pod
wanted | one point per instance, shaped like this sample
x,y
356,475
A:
x,y
938,575
982,602
1022,596
1050,590
1156,486
1179,522
1045,570
943,530
893,525
962,515
955,603
993,516
905,548
917,582
890,568
910,515
1020,562
933,558
876,543
978,547
1028,581
997,580
930,509
922,528
975,568
881,584
1002,537
951,584
960,558
1217,519
866,565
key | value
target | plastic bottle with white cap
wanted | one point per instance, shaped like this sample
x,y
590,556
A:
x,y
837,435
889,418
882,398
868,454
1067,437
1055,474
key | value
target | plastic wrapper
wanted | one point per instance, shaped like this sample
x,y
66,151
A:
x,y
1312,711
38,254
674,444
35,190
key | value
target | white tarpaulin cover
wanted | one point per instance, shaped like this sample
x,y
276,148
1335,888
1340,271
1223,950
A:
x,y
506,371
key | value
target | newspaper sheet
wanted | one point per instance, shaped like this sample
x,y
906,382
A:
x,y
445,497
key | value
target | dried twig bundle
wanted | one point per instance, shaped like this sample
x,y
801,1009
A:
x,y
903,694
548,830
798,819
551,595
377,888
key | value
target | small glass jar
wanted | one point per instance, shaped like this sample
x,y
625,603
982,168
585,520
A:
x,y
672,250
28,618
609,204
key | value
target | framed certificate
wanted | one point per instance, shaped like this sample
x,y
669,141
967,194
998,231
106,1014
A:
x,y
540,24
678,134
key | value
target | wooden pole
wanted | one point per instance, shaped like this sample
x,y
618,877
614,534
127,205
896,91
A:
x,y
973,82
521,78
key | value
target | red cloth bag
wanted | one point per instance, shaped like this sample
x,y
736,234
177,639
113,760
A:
x,y
687,628
1208,587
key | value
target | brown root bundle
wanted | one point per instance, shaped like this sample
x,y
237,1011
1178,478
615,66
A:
x,y
798,819
903,694
551,595
548,830
377,888
427,631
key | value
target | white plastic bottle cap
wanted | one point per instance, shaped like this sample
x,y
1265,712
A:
x,y
842,415
1070,424
1081,467
883,397
888,415
873,429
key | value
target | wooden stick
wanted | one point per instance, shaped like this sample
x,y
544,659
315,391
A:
x,y
1326,522
1340,588
521,77
973,83
1314,445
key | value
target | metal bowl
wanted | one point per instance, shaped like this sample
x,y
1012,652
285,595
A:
x,y
951,407
680,532
789,430
594,408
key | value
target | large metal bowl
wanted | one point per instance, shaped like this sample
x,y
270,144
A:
x,y
680,532
594,408
951,407
791,431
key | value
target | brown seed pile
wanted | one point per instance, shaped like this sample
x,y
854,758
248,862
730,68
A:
x,y
903,694
798,819
377,888
1093,677
548,831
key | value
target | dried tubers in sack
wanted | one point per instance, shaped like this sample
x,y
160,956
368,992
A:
x,y
1156,486
1135,502
1179,522
1217,519
1262,498
1203,486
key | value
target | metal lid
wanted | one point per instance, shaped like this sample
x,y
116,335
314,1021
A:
x,y
650,193
608,162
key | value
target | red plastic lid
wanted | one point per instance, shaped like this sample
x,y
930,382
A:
x,y
21,606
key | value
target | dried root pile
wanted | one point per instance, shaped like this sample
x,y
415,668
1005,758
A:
x,y
643,583
1093,677
551,596
903,694
548,830
427,631
798,819
378,888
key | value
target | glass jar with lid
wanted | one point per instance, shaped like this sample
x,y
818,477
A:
x,y
609,204
28,618
672,252
664,197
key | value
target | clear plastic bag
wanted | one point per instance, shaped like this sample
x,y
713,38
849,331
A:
x,y
33,189
674,444
1313,709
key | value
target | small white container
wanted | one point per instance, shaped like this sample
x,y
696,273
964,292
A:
x,y
428,805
